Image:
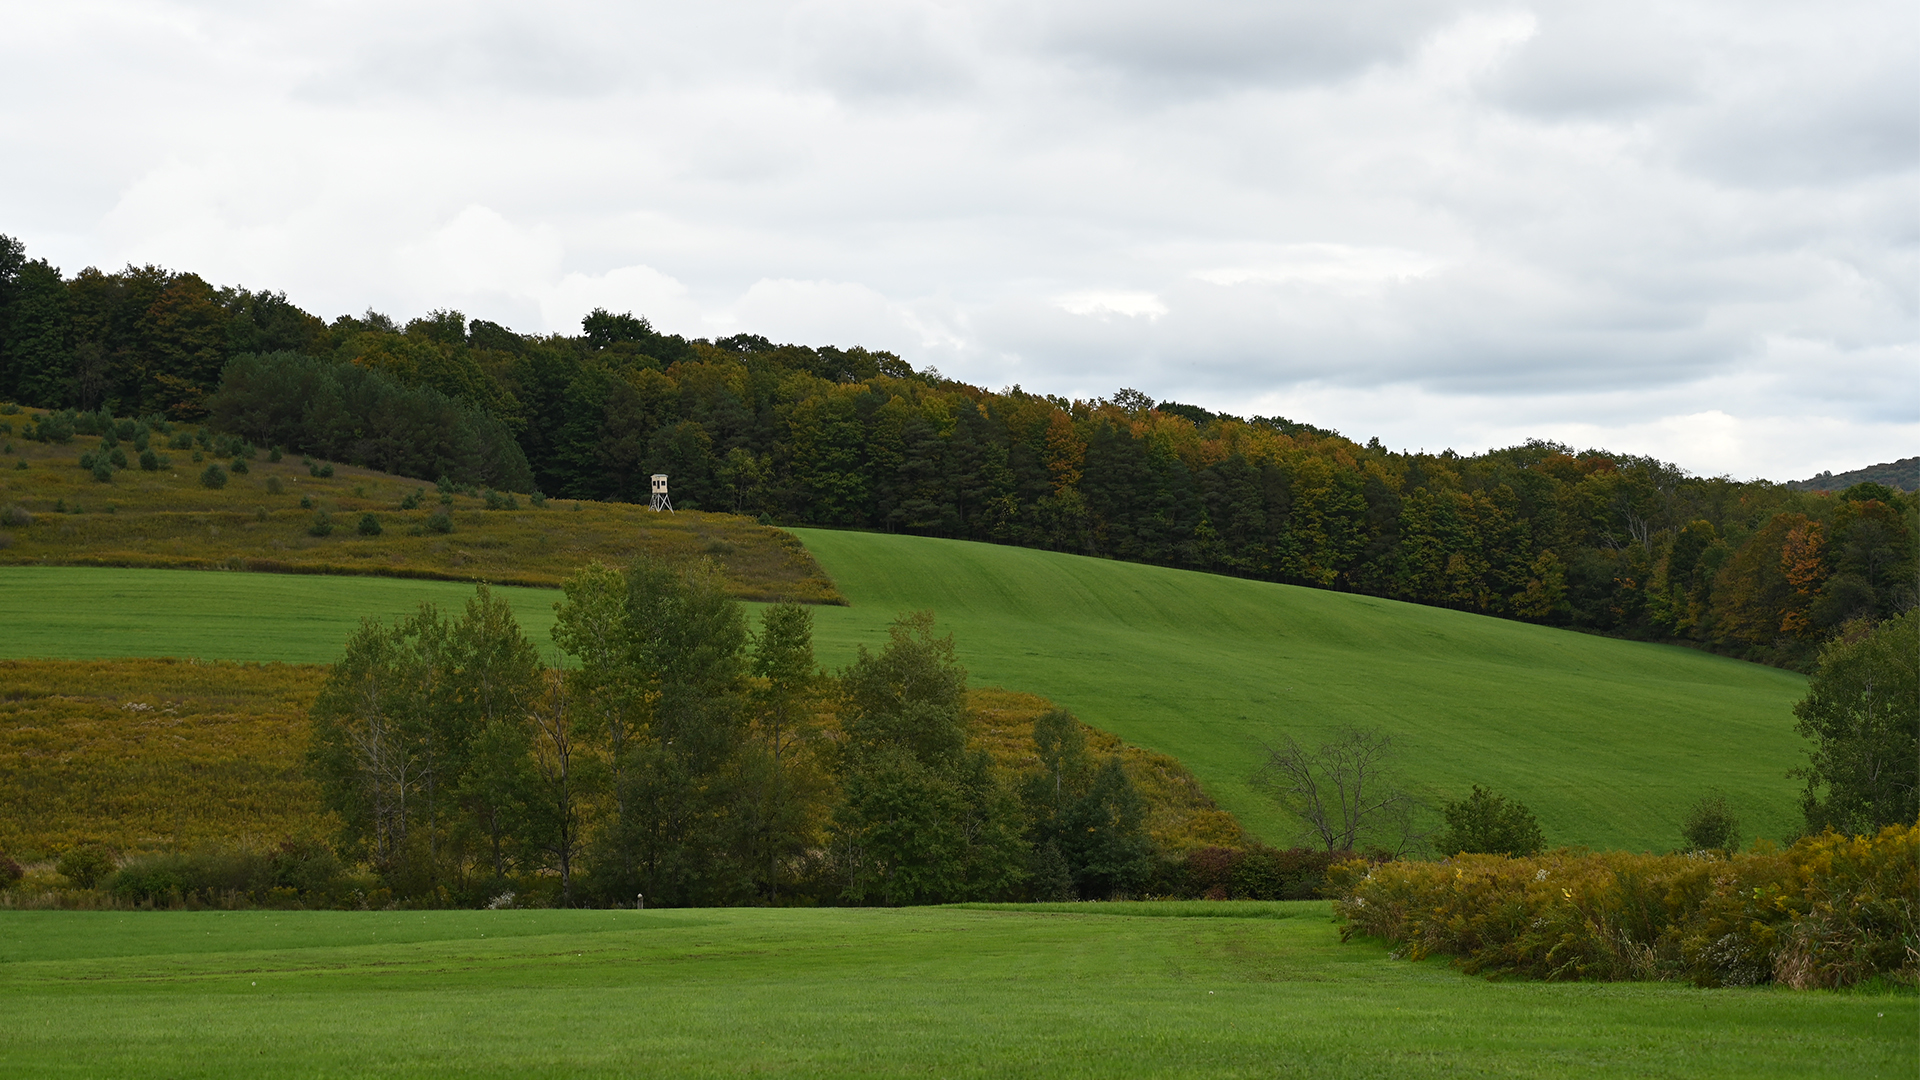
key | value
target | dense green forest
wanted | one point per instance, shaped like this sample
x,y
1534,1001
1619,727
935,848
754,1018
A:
x,y
855,438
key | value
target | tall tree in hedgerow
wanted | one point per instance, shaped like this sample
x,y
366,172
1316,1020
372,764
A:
x,y
395,733
1085,814
662,691
1862,712
922,819
782,781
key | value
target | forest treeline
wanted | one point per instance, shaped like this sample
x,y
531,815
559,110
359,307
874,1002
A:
x,y
799,435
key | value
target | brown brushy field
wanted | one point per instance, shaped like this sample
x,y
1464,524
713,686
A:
x,y
153,755
169,755
1828,911
168,520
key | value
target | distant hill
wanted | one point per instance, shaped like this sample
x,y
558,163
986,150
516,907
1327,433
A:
x,y
1903,475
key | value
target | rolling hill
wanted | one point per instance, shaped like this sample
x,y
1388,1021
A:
x,y
1608,741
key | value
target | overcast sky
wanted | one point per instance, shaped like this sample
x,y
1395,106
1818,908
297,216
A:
x,y
1688,229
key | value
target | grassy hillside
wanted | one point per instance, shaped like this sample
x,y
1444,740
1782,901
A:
x,y
1099,990
74,613
168,518
1608,741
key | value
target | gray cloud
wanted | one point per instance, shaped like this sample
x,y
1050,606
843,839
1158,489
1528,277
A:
x,y
1215,42
1454,220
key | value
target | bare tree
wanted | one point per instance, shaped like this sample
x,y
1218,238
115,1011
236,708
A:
x,y
1344,791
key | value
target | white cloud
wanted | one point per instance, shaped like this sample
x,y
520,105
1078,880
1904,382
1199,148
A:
x,y
1678,229
1099,303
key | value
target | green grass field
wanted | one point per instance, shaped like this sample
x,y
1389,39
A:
x,y
1094,990
94,613
1608,741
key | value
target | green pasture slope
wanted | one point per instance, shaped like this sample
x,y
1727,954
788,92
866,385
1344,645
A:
x,y
1608,741
1096,991
98,613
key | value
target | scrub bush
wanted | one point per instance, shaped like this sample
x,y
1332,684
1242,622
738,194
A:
x,y
86,864
1831,910
1710,825
214,477
369,525
322,524
304,874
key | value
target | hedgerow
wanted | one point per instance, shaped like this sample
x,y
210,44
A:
x,y
1831,910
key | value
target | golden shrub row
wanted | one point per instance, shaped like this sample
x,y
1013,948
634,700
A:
x,y
1831,910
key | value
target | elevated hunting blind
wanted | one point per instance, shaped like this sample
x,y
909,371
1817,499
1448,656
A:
x,y
660,500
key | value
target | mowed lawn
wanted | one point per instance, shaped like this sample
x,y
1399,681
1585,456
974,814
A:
x,y
1607,741
1090,990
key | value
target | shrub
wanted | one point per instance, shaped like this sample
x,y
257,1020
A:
x,y
275,487
538,500
149,461
214,477
239,465
440,522
1710,825
1832,910
102,471
411,500
322,524
118,458
16,516
87,864
180,441
294,873
274,454
57,428
1488,824
369,525
21,464
198,457
10,872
